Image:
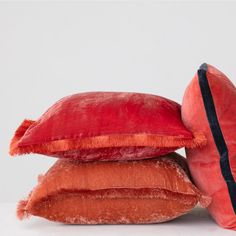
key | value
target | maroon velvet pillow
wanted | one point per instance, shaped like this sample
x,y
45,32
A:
x,y
106,126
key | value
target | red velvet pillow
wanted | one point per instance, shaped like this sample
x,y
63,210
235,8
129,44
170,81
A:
x,y
209,106
106,126
147,191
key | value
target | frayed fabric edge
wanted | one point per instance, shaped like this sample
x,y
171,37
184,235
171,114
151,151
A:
x,y
21,211
19,133
106,141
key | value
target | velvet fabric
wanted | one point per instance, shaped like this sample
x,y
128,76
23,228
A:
x,y
147,191
209,107
106,126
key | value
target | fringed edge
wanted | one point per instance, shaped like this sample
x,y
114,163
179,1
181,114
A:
x,y
142,140
204,199
21,211
199,140
180,161
19,134
40,178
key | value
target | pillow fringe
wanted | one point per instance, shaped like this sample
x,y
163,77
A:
x,y
106,141
24,126
21,212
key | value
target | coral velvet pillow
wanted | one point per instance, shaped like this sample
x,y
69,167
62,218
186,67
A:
x,y
209,105
106,126
146,191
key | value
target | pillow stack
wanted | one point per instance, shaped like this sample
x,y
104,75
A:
x,y
115,160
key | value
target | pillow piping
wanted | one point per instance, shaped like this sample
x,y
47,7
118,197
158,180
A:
x,y
217,133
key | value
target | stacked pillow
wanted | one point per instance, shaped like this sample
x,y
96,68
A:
x,y
106,126
115,160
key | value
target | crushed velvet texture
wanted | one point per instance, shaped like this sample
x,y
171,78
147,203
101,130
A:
x,y
204,163
106,126
147,191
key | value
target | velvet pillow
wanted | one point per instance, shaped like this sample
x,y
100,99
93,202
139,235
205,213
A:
x,y
209,106
147,191
106,126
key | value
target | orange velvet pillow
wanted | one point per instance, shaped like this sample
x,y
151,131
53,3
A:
x,y
106,126
147,191
209,106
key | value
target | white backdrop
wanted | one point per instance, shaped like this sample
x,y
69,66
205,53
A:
x,y
50,50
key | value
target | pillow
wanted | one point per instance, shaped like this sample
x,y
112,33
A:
x,y
106,126
147,191
209,106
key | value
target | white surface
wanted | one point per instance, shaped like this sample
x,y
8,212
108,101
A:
x,y
196,223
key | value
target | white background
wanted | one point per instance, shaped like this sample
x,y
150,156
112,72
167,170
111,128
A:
x,y
50,50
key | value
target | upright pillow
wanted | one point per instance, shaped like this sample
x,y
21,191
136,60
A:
x,y
106,126
209,106
147,191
